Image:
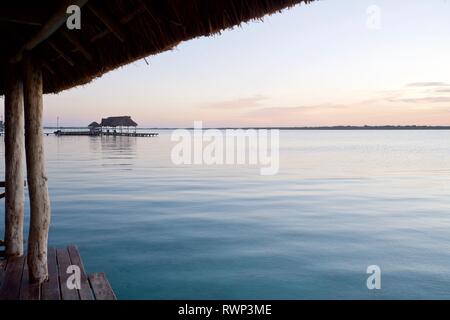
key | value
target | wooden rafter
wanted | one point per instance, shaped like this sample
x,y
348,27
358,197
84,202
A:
x,y
138,10
109,22
129,17
20,17
77,44
61,53
48,28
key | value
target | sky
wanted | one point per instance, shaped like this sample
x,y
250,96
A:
x,y
332,62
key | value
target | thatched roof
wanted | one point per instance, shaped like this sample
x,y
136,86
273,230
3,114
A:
x,y
123,121
94,124
113,32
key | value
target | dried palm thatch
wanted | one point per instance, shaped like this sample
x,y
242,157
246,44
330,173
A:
x,y
94,125
122,121
114,32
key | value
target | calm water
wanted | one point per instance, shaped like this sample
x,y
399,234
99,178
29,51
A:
x,y
343,200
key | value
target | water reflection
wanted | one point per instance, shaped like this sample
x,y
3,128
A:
x,y
117,151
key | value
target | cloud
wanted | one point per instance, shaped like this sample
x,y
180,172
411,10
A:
x,y
423,93
437,99
428,84
239,103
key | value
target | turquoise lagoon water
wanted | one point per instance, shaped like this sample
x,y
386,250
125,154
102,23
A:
x,y
343,200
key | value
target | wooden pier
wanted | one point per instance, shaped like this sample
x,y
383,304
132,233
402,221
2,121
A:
x,y
98,134
130,134
15,284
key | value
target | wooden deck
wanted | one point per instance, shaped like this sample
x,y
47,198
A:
x,y
14,284
130,134
99,133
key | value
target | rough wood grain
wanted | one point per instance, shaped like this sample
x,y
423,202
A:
x,y
101,287
13,276
63,263
29,290
36,177
14,160
50,288
15,284
2,271
85,291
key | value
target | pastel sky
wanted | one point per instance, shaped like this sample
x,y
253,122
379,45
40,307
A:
x,y
320,64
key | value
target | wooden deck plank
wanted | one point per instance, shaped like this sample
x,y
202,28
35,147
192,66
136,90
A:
x,y
13,277
101,287
85,291
15,282
63,258
28,291
2,270
50,289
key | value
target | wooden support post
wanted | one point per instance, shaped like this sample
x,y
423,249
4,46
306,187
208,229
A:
x,y
37,180
14,160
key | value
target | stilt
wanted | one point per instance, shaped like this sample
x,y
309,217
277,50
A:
x,y
37,179
14,160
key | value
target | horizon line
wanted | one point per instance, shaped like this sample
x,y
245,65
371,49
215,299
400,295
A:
x,y
335,127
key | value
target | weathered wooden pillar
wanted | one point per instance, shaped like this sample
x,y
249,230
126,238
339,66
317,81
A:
x,y
14,160
37,180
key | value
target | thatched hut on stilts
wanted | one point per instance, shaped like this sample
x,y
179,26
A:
x,y
42,54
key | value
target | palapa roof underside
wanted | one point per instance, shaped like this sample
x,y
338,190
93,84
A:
x,y
113,32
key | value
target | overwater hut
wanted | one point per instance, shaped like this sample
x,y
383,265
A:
x,y
118,124
41,54
94,127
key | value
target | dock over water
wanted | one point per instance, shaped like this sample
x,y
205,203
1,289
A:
x,y
121,126
99,133
15,285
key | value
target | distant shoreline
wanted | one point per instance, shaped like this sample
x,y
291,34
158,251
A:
x,y
390,127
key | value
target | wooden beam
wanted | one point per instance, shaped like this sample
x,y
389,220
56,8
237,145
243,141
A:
x,y
111,24
2,185
100,35
14,161
129,17
46,66
21,17
77,44
61,54
37,179
49,27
